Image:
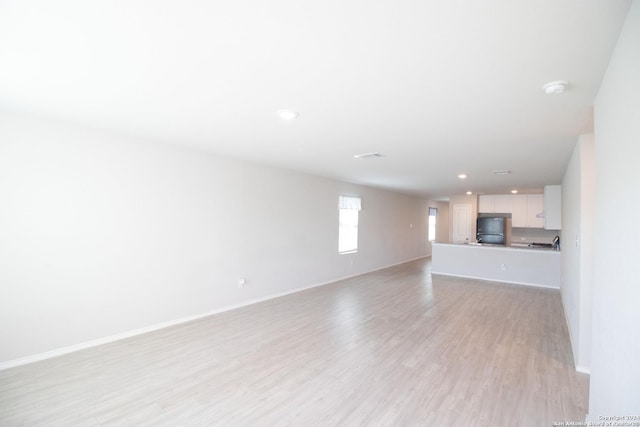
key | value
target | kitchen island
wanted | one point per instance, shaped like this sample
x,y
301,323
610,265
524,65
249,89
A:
x,y
520,265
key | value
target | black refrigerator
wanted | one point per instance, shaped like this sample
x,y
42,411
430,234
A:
x,y
490,230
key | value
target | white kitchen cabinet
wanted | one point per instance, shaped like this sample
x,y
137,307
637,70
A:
x,y
535,207
502,203
525,209
519,210
553,207
486,203
498,203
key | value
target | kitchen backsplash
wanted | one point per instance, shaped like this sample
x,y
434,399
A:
x,y
531,235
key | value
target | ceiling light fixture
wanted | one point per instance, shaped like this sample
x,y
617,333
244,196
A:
x,y
555,88
462,176
287,114
469,193
502,172
368,155
514,191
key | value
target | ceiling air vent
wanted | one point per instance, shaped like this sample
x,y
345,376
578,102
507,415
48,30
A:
x,y
367,155
502,172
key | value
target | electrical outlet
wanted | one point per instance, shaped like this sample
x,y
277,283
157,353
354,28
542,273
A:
x,y
241,282
503,267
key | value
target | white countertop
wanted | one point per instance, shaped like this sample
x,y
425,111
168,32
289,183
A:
x,y
516,247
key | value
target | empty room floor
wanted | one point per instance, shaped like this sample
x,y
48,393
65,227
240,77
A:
x,y
396,347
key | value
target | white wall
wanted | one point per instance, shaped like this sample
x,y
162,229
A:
x,y
578,190
442,227
102,234
615,353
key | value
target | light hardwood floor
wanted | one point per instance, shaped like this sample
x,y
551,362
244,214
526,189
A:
x,y
396,347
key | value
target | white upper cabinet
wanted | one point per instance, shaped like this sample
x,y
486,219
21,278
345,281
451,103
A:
x,y
502,203
519,210
486,203
535,210
499,203
553,207
527,210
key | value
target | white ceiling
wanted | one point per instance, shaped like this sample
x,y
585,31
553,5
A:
x,y
437,87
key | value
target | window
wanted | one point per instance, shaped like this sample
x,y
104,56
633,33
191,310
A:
x,y
433,214
348,224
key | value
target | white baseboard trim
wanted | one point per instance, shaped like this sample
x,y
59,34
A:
x,y
105,340
579,368
566,321
535,285
123,335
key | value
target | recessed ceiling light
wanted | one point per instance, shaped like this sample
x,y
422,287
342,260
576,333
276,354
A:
x,y
469,193
514,191
287,114
368,155
556,87
462,176
502,172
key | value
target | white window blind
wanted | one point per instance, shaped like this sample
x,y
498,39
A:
x,y
350,202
